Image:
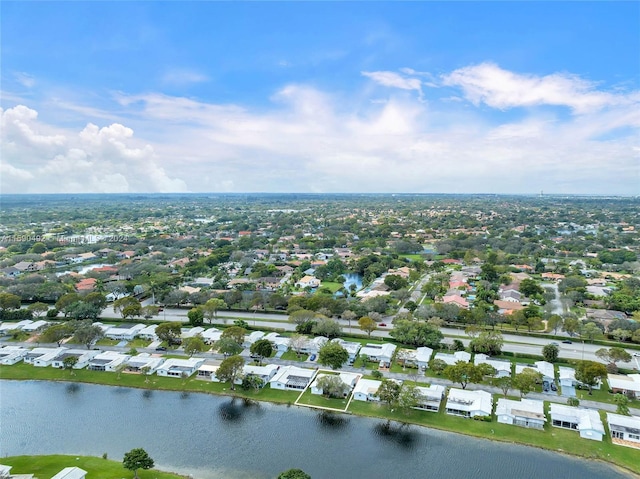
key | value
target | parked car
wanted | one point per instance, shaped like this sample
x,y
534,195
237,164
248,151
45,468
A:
x,y
312,357
566,341
161,348
383,324
554,387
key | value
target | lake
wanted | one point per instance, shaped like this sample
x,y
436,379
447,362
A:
x,y
213,437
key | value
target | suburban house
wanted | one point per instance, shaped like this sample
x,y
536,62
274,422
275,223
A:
x,y
207,370
418,358
507,307
452,359
211,335
586,421
621,383
308,282
149,332
503,368
625,430
266,372
313,345
430,397
525,412
191,332
252,337
71,473
42,357
280,343
11,355
457,300
83,355
382,353
543,367
124,332
568,382
350,379
366,390
107,361
465,403
137,363
292,377
35,326
6,327
352,348
176,368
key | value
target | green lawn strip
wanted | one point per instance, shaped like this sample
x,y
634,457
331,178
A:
x,y
332,286
107,342
412,257
552,438
139,343
292,356
321,401
45,467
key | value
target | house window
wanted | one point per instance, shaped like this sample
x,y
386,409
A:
x,y
634,436
617,434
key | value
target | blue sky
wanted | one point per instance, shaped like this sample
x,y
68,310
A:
x,y
488,97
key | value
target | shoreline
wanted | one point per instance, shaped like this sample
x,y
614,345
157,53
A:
x,y
371,410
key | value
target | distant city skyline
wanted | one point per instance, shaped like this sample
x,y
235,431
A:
x,y
322,97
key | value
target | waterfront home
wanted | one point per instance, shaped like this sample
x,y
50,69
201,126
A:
x,y
35,326
292,377
352,347
525,412
207,370
177,368
625,384
280,343
136,364
418,358
211,335
107,361
452,359
382,353
42,357
308,282
312,346
429,398
366,390
350,379
149,332
502,367
586,421
543,367
11,355
252,337
6,327
71,473
83,355
625,430
465,403
124,332
266,372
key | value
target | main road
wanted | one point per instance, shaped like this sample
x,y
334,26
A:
x,y
512,343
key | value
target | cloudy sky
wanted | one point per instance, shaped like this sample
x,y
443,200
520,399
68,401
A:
x,y
426,97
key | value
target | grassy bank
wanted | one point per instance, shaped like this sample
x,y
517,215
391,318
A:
x,y
45,467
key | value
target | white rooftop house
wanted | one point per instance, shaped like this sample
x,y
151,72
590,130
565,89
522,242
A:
x,y
6,327
452,359
352,347
42,357
625,384
176,368
366,390
136,364
525,412
292,377
124,332
586,421
107,361
149,332
71,473
543,367
350,379
35,326
503,368
382,353
280,343
211,335
12,355
252,337
418,358
207,370
83,355
462,402
313,345
567,376
266,372
625,430
191,332
430,397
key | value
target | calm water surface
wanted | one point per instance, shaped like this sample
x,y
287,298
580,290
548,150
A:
x,y
216,437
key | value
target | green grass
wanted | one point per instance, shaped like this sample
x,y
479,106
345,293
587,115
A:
x,y
331,285
139,343
321,401
413,257
292,356
107,342
45,467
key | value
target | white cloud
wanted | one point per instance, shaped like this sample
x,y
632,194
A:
x,y
25,79
183,77
395,80
488,83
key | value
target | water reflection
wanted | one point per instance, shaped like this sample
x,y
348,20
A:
x,y
235,410
332,421
147,394
184,395
73,388
399,434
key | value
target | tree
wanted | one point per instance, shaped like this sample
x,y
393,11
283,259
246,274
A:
x,y
416,333
463,373
530,288
526,381
333,355
211,308
367,325
622,403
194,345
550,353
252,381
297,342
169,332
38,309
437,366
196,317
229,370
590,331
97,299
504,383
571,326
489,342
88,334
327,327
621,335
137,459
131,311
389,392
56,333
302,316
554,323
349,316
409,397
332,386
294,474
69,362
65,301
119,305
613,356
262,348
574,402
395,282
228,347
9,301
149,311
590,373
235,333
